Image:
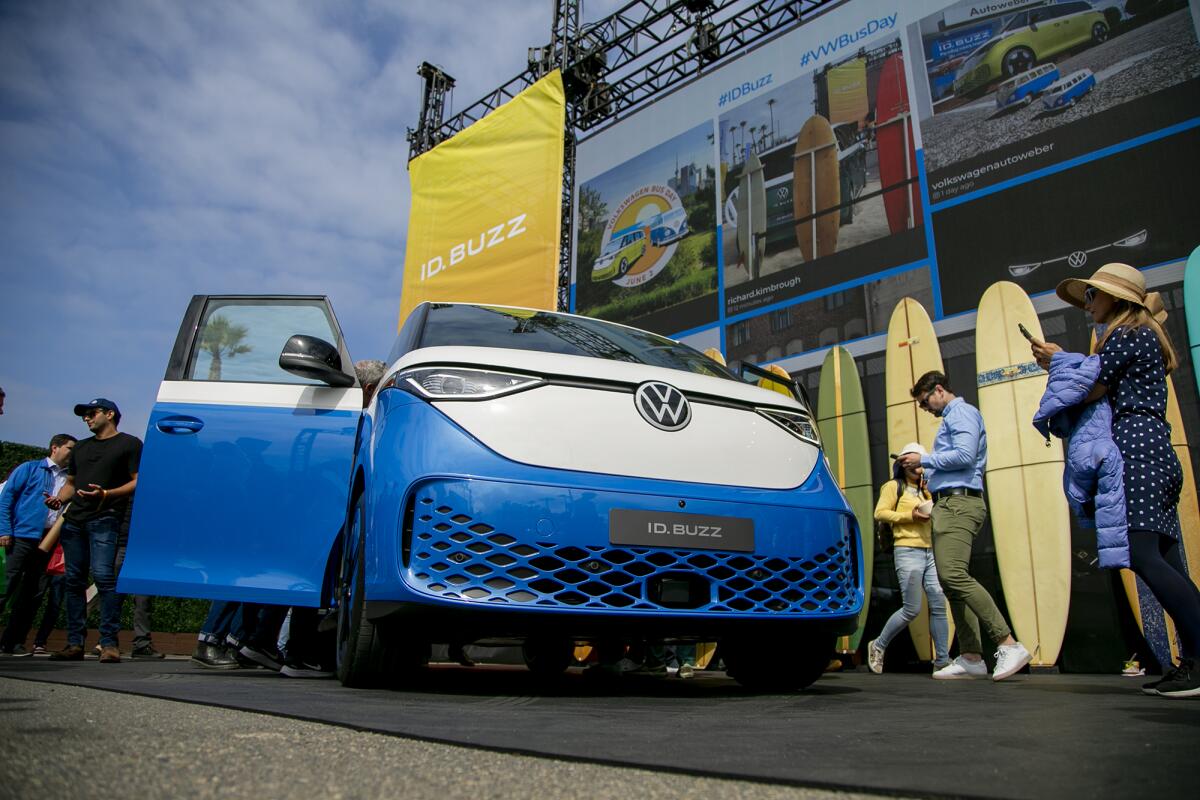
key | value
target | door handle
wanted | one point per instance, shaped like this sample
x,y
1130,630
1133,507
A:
x,y
179,425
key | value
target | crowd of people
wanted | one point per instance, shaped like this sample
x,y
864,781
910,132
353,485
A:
x,y
64,527
67,515
1123,477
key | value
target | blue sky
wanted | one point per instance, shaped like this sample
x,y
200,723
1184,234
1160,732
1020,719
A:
x,y
150,151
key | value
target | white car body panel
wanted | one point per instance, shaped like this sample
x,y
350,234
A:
x,y
593,430
597,430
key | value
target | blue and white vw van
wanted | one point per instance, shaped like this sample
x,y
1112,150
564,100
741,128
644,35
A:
x,y
1063,93
1024,86
520,475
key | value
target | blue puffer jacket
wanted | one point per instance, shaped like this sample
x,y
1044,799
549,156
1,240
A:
x,y
1093,477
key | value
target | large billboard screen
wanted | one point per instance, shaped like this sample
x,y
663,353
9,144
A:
x,y
882,149
925,149
486,216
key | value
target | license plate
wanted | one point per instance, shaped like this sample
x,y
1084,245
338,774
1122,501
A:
x,y
672,529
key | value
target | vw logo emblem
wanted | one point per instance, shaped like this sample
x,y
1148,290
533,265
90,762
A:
x,y
662,405
1077,259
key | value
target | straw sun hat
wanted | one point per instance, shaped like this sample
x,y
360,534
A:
x,y
1118,280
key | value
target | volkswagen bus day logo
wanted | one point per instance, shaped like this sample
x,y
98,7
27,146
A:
x,y
663,406
1077,259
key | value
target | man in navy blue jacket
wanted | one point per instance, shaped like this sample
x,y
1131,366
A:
x,y
24,520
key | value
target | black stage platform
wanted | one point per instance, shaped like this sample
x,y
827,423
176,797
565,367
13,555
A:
x,y
1031,736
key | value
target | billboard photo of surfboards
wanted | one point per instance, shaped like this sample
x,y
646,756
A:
x,y
1009,88
646,252
820,169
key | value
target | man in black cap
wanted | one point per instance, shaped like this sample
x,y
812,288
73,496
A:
x,y
101,478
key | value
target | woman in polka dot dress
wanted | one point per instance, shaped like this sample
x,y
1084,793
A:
x,y
1135,358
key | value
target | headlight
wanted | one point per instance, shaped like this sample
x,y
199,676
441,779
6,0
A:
x,y
794,422
1132,241
461,383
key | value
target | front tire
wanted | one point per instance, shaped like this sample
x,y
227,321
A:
x,y
367,656
1099,33
1016,61
623,268
773,666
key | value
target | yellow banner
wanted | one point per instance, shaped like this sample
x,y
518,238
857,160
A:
x,y
847,85
485,220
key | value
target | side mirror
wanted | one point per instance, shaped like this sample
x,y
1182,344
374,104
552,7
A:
x,y
310,357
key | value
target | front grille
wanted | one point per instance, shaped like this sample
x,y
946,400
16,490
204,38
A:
x,y
460,558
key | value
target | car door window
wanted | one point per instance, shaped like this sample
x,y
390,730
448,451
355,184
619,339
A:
x,y
240,340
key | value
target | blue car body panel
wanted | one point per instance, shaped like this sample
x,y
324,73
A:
x,y
282,473
484,530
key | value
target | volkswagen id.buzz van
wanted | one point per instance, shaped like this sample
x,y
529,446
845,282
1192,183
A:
x,y
1029,37
520,475
621,253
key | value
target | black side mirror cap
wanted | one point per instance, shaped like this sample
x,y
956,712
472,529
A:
x,y
314,358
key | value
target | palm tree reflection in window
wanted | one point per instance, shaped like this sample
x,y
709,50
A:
x,y
221,340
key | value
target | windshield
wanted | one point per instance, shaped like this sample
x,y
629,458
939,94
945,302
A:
x,y
448,325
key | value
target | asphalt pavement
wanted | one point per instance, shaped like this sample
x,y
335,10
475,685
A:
x,y
67,741
898,734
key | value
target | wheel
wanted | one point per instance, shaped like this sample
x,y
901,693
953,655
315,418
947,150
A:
x,y
1099,33
771,666
367,654
1017,61
547,657
623,268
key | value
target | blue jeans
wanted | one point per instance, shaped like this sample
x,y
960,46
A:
x,y
914,569
224,621
92,545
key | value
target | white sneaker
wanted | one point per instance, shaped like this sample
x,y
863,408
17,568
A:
x,y
1009,660
960,668
875,657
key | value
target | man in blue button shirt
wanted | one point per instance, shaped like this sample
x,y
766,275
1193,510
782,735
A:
x,y
955,473
24,520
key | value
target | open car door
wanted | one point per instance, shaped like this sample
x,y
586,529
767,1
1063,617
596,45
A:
x,y
247,458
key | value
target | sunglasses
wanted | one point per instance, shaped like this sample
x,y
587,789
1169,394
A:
x,y
924,401
91,412
1089,294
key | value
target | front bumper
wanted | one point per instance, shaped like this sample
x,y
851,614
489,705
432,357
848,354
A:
x,y
456,531
547,548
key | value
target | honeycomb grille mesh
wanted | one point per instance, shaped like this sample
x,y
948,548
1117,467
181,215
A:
x,y
460,558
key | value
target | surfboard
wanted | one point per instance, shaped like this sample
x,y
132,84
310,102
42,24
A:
x,y
912,350
1031,522
816,186
842,421
1191,307
751,205
896,148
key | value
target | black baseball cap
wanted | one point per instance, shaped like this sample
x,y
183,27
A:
x,y
99,402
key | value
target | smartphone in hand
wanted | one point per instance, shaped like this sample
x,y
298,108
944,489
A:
x,y
1025,332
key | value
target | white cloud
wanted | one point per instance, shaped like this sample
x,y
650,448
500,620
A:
x,y
153,150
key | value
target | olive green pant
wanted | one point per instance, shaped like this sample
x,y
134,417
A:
x,y
957,520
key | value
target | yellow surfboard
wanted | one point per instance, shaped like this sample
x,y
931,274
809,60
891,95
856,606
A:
x,y
1031,522
912,350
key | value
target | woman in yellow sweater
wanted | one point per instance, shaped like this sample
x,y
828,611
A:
x,y
905,503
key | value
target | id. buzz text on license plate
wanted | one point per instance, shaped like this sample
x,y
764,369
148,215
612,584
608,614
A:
x,y
672,529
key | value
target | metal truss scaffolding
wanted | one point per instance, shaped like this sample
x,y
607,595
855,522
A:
x,y
613,67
